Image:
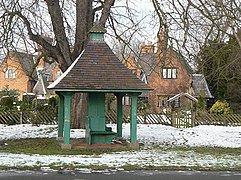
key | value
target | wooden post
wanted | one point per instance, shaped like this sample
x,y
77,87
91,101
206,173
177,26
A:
x,y
193,115
133,125
145,122
119,114
67,110
173,118
21,117
60,116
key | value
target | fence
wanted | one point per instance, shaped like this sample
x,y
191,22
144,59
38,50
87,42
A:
x,y
33,117
219,119
142,118
181,119
111,116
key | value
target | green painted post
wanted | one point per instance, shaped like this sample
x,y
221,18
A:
x,y
67,110
133,125
119,115
60,115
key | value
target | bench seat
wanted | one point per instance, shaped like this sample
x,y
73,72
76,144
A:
x,y
102,132
101,137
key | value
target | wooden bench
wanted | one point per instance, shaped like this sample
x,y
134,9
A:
x,y
102,137
102,132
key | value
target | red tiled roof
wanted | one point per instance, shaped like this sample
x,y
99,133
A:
x,y
99,69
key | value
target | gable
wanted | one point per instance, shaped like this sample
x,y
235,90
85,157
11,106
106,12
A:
x,y
199,84
22,62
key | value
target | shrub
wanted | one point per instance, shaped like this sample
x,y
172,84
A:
x,y
201,104
6,103
53,101
9,92
221,107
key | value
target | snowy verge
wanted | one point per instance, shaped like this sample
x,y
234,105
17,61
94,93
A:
x,y
159,135
211,136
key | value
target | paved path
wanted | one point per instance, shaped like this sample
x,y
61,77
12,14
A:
x,y
120,175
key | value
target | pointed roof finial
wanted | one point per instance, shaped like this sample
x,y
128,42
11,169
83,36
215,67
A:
x,y
97,28
97,18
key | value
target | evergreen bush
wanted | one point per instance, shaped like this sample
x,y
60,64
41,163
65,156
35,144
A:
x,y
201,104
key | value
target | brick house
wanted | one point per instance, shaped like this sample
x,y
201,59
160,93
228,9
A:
x,y
168,74
18,71
47,73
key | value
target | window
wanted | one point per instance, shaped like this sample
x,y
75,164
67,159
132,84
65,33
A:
x,y
177,103
162,101
169,73
126,100
58,74
10,73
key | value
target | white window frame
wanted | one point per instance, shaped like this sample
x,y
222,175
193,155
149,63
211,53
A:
x,y
169,73
164,73
58,74
174,73
6,73
10,73
126,100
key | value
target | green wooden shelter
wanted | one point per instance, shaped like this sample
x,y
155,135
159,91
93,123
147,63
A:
x,y
97,71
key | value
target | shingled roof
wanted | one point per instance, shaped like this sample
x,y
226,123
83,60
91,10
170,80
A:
x,y
27,63
199,84
98,69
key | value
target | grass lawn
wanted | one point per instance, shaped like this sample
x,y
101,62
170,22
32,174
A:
x,y
44,146
49,146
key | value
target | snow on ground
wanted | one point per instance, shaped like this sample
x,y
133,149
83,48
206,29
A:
x,y
219,136
158,135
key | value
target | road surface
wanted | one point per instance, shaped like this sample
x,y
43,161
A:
x,y
120,175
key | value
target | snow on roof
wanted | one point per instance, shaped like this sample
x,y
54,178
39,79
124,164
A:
x,y
65,73
182,94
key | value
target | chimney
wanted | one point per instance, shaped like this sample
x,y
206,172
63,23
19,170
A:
x,y
147,48
162,38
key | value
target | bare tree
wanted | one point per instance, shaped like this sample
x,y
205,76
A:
x,y
191,24
24,22
30,20
25,25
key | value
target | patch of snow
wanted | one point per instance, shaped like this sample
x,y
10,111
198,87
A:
x,y
153,134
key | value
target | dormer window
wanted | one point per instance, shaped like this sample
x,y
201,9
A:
x,y
10,73
39,69
169,73
58,74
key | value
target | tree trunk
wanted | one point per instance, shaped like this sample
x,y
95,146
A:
x,y
79,110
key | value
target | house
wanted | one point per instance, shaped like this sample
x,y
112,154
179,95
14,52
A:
x,y
47,73
169,74
19,71
199,85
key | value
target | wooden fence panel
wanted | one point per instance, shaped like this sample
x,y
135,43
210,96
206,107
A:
x,y
33,117
220,119
111,116
154,118
182,120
